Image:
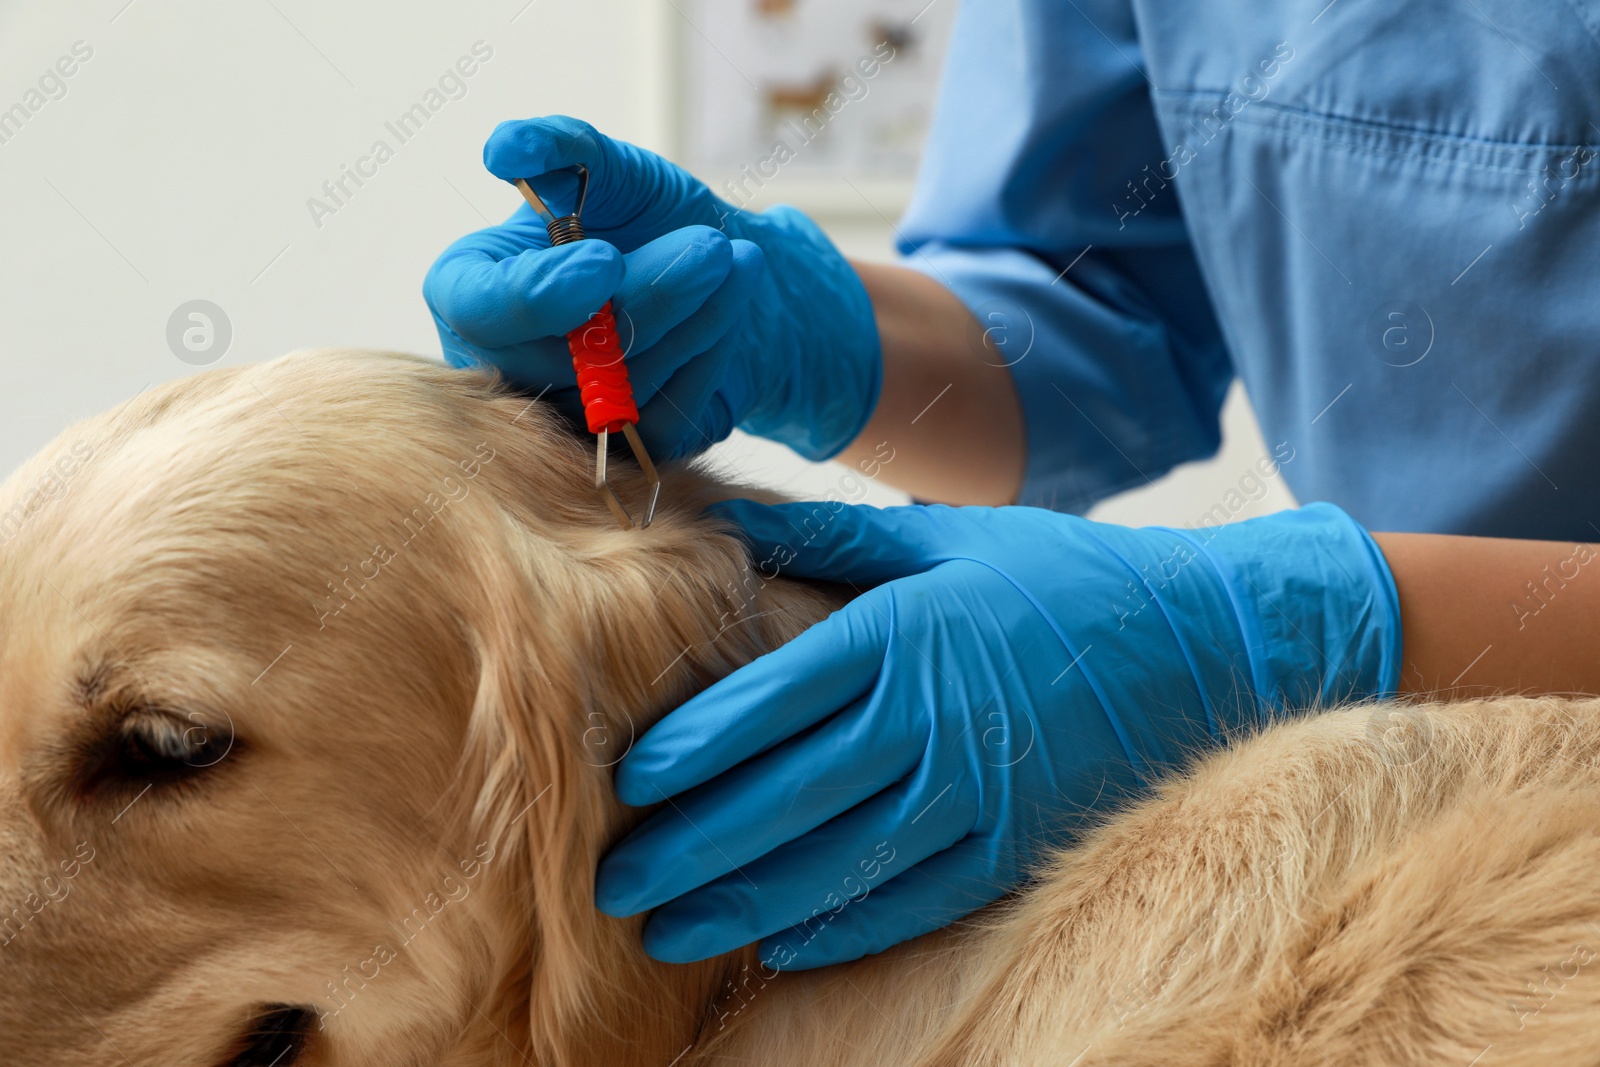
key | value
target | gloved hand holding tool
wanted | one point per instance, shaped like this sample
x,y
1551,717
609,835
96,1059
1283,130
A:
x,y
727,318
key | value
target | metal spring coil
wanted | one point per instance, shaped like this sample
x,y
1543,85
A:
x,y
564,230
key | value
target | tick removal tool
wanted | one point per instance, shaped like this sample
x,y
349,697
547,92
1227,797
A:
x,y
603,385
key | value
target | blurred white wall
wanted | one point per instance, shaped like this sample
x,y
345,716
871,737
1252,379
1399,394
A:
x,y
176,162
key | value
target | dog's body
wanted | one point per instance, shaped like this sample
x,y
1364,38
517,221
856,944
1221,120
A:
x,y
311,679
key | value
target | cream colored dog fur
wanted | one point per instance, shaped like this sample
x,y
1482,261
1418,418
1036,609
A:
x,y
312,675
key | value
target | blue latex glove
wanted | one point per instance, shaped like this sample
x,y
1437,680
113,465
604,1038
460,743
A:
x,y
911,757
728,318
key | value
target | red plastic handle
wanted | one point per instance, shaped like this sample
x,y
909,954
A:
x,y
602,376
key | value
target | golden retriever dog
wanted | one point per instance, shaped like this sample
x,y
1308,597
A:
x,y
312,677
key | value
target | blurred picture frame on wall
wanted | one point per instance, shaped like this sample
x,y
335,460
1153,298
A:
x,y
824,104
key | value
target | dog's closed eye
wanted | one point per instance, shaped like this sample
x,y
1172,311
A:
x,y
155,747
276,1037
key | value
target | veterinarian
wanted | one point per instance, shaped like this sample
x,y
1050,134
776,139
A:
x,y
1382,219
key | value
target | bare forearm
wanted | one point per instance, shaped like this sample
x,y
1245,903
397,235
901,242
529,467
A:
x,y
1478,614
1481,614
949,407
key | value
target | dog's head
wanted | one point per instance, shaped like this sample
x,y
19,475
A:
x,y
311,678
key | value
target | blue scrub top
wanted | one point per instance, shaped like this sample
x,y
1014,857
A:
x,y
1382,217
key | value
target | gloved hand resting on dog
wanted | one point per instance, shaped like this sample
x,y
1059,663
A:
x,y
728,318
1011,672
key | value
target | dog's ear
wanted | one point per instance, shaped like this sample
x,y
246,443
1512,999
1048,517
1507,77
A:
x,y
584,634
